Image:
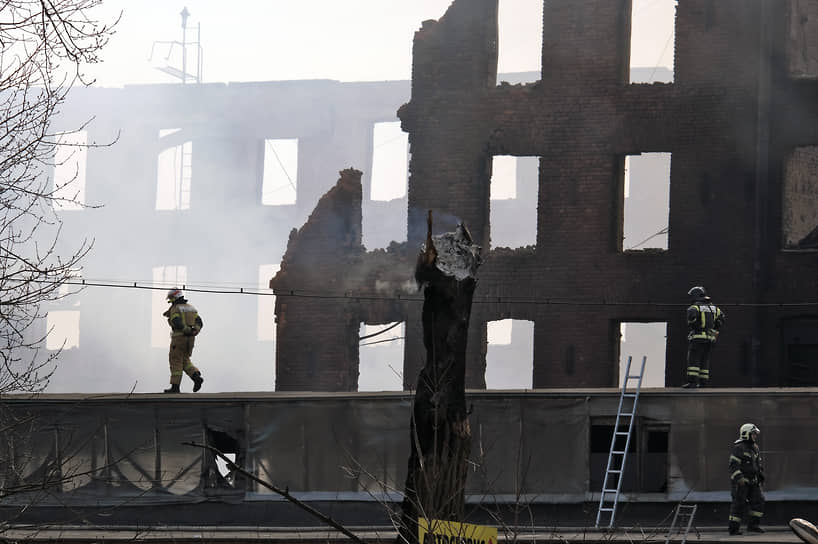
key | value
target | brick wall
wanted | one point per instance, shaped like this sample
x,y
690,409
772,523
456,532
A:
x,y
729,119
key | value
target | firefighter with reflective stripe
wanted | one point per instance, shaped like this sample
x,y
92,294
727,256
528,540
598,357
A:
x,y
704,321
746,478
185,323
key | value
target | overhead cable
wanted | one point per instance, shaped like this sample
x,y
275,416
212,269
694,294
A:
x,y
478,299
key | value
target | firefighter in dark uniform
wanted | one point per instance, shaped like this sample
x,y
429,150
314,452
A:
x,y
704,321
746,477
185,323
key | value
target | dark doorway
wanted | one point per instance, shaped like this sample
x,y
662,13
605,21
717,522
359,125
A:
x,y
646,466
800,343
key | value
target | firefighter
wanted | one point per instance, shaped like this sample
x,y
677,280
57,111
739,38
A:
x,y
185,323
746,478
704,321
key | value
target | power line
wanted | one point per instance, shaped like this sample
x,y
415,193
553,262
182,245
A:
x,y
485,299
662,54
651,237
281,164
381,341
389,328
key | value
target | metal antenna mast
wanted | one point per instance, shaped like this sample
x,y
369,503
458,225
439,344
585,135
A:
x,y
183,74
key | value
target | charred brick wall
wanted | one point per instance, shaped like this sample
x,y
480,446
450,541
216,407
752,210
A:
x,y
741,101
581,119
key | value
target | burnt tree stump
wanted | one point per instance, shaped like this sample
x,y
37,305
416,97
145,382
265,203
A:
x,y
440,437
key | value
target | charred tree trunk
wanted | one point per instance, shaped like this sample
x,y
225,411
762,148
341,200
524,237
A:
x,y
439,429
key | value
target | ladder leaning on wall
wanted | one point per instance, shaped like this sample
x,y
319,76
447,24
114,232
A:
x,y
615,470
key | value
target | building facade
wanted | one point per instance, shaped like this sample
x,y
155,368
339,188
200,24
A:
x,y
738,122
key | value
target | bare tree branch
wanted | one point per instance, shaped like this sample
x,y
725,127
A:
x,y
283,492
44,47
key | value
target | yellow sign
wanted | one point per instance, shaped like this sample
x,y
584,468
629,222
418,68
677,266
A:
x,y
452,532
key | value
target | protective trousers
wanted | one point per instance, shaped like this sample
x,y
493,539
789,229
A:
x,y
698,362
181,348
744,496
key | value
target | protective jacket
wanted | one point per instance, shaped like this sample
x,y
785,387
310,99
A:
x,y
746,463
183,318
704,320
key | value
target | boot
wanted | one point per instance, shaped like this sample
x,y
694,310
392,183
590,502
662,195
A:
x,y
197,381
174,388
734,528
754,528
691,384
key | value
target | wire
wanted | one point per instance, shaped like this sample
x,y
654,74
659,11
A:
x,y
486,299
661,55
257,291
389,328
382,341
651,237
281,164
390,140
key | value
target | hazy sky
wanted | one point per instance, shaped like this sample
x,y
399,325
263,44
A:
x,y
350,40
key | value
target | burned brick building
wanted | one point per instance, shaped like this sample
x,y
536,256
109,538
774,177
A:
x,y
740,123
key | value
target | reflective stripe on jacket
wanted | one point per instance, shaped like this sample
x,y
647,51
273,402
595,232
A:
x,y
703,320
745,462
183,315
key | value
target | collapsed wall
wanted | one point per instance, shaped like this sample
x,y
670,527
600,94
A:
x,y
317,328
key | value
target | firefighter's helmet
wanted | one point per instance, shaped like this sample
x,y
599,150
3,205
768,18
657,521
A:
x,y
174,294
697,292
747,431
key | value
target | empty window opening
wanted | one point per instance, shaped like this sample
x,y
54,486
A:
x,y
218,474
802,48
380,357
503,177
519,36
510,354
280,179
70,160
390,161
653,31
383,223
165,277
637,340
498,333
173,172
513,193
646,464
384,212
63,328
799,219
223,467
647,201
266,304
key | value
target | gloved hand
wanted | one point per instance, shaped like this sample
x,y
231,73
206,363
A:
x,y
187,331
743,481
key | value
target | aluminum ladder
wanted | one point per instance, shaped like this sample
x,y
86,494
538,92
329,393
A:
x,y
684,513
609,498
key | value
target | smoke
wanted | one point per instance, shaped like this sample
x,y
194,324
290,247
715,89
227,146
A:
x,y
386,287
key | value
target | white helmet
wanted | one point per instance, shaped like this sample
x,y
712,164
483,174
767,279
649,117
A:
x,y
173,294
697,292
746,431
